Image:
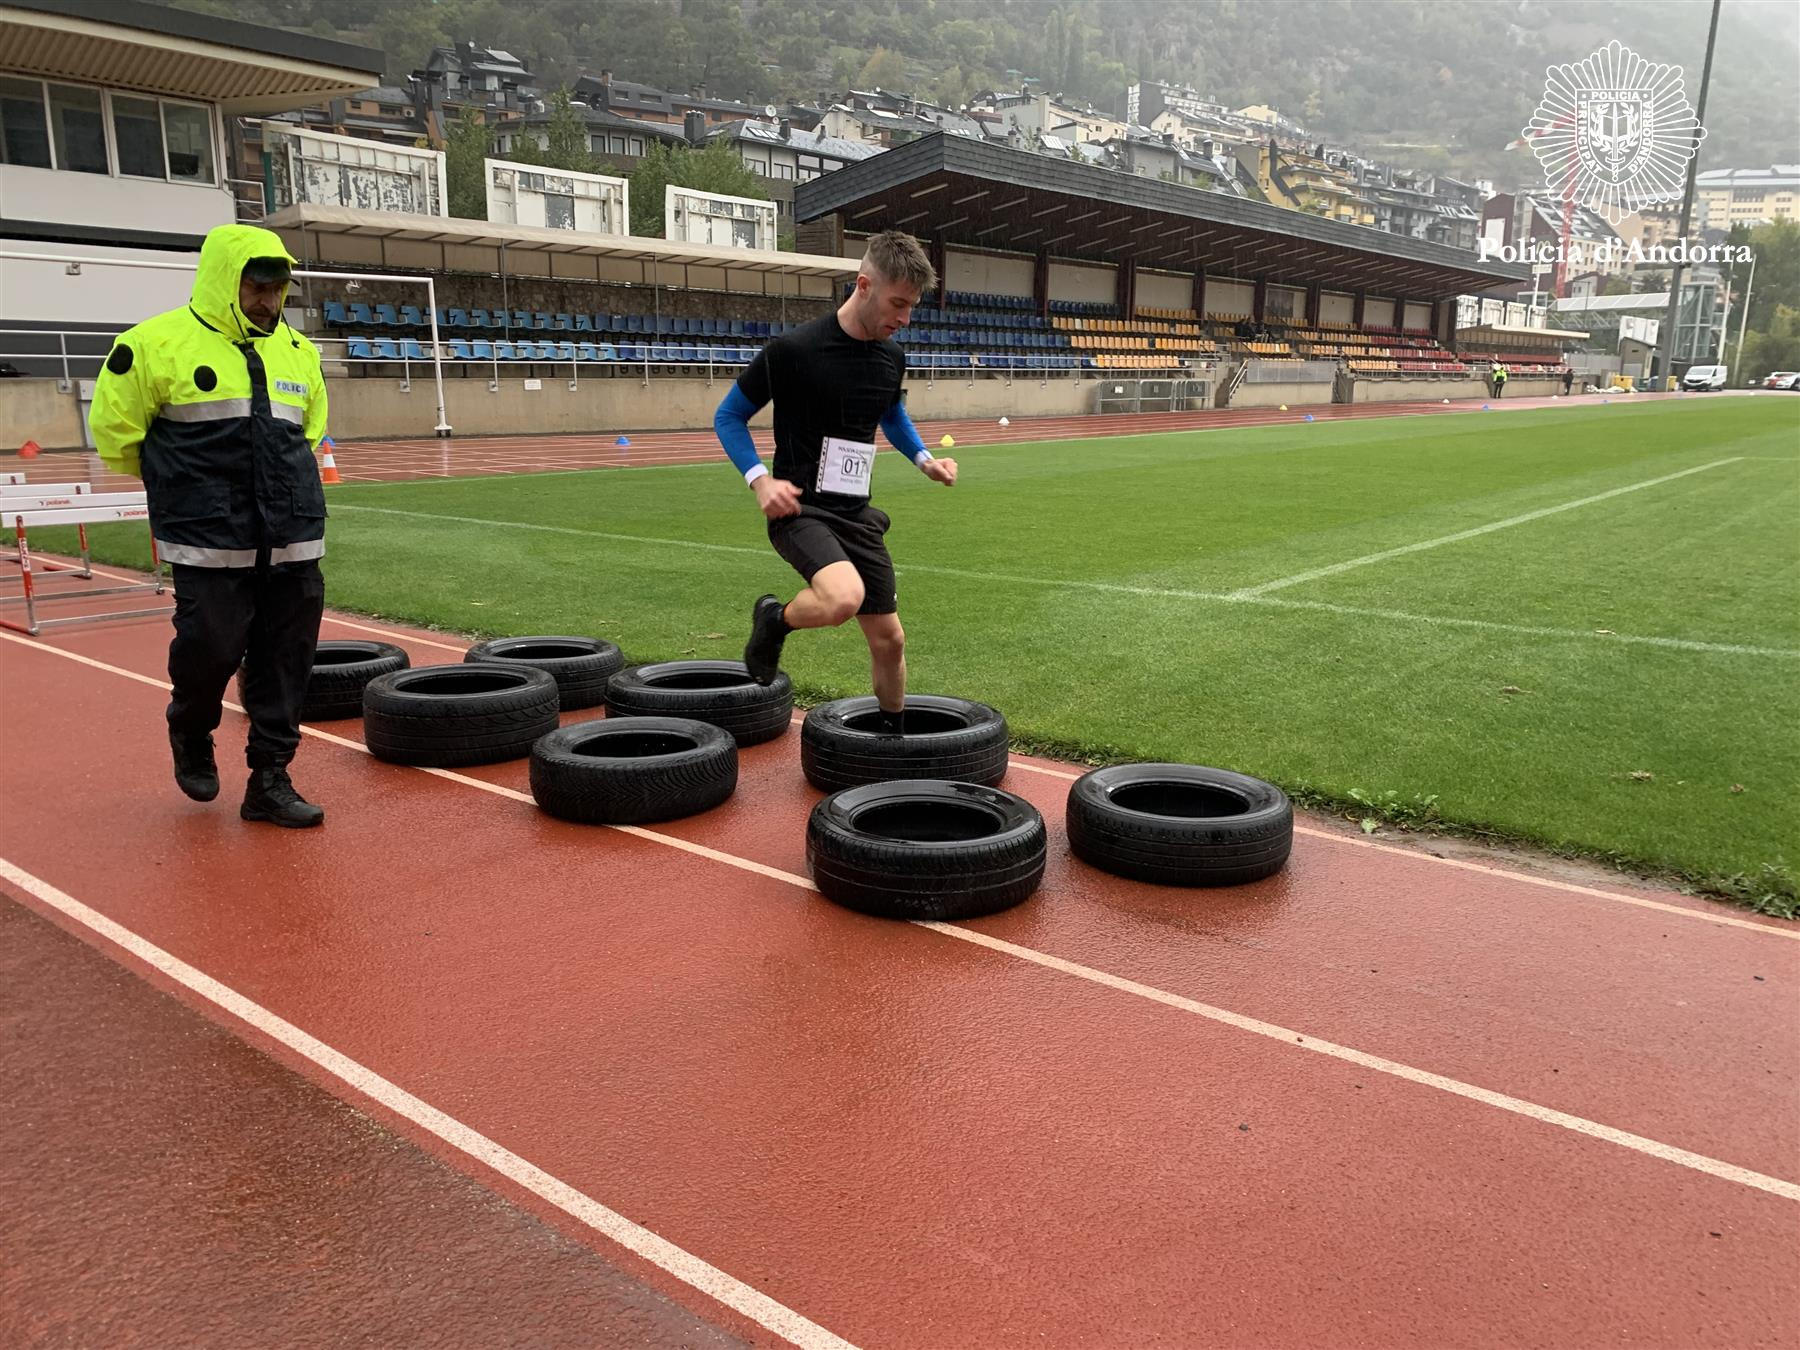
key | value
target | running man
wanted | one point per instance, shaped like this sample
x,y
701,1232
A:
x,y
833,381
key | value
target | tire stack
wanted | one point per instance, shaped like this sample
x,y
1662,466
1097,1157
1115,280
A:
x,y
914,826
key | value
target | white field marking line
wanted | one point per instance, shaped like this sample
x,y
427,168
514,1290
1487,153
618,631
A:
x,y
634,1237
1250,592
1114,588
1546,882
712,457
1499,1100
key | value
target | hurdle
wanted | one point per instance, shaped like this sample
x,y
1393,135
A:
x,y
52,495
80,508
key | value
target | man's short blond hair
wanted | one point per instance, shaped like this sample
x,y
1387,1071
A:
x,y
899,258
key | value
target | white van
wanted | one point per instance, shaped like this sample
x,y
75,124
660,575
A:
x,y
1704,377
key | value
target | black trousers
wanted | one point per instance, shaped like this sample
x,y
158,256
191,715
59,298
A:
x,y
268,619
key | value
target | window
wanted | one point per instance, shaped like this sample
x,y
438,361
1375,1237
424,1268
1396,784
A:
x,y
637,145
1746,194
78,131
137,131
24,132
189,133
618,145
784,170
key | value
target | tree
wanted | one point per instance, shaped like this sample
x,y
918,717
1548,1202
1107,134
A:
x,y
1776,247
469,141
884,70
717,168
566,137
1777,349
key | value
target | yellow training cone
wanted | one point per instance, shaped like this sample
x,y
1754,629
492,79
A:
x,y
948,441
1283,408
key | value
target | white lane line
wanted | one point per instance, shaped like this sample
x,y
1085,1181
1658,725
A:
x,y
1157,592
1724,920
1286,1036
1250,592
634,1237
1682,1157
328,618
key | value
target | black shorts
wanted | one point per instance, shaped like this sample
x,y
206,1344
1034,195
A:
x,y
816,538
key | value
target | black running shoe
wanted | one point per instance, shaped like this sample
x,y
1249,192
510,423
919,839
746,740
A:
x,y
270,796
196,772
768,630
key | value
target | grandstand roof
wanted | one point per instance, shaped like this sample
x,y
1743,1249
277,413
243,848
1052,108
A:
x,y
246,68
989,196
319,221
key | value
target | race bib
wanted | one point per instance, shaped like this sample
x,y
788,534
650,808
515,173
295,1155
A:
x,y
844,467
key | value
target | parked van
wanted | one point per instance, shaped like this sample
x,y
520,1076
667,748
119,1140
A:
x,y
1704,377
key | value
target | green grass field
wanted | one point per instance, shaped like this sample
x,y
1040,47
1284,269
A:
x,y
1601,679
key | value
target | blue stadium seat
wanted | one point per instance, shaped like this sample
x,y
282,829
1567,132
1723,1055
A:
x,y
504,351
457,350
335,313
607,352
458,319
411,317
482,349
359,349
412,350
584,323
386,349
359,313
585,352
388,315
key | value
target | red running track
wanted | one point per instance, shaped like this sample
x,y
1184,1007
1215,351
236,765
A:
x,y
384,461
1382,1099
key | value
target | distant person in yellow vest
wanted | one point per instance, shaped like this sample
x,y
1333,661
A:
x,y
1499,379
218,407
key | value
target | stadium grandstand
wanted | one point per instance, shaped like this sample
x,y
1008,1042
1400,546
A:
x,y
1063,283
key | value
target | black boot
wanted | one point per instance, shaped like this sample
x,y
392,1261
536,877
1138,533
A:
x,y
271,797
196,773
891,723
768,630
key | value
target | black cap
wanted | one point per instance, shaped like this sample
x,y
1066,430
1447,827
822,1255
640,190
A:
x,y
265,270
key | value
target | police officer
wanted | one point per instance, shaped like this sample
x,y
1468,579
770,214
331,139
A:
x,y
218,407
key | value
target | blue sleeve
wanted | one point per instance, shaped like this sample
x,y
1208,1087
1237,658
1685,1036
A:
x,y
732,423
903,435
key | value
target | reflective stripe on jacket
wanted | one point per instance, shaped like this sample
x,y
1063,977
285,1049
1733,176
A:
x,y
219,419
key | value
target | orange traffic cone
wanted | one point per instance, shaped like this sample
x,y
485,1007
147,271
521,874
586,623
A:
x,y
30,450
328,473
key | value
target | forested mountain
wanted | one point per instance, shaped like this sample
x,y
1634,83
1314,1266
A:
x,y
1427,83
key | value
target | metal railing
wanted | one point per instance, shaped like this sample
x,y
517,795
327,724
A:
x,y
65,354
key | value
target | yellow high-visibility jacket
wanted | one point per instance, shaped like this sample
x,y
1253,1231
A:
x,y
219,419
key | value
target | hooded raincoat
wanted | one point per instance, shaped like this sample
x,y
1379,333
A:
x,y
219,419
